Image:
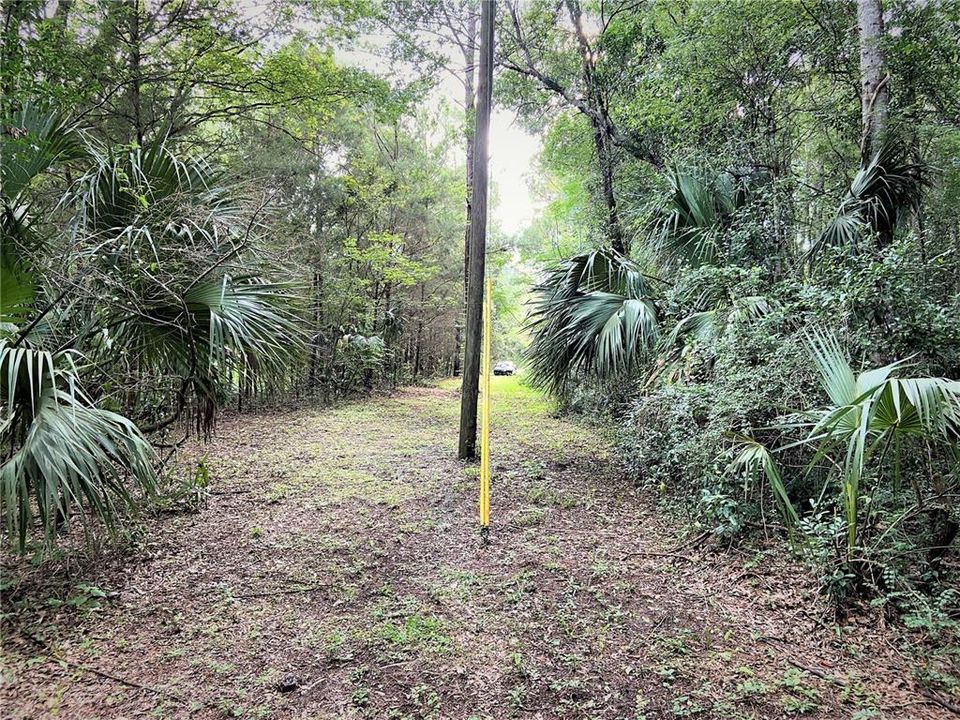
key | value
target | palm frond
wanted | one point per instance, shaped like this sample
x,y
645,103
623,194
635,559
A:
x,y
873,408
836,374
33,140
223,328
594,313
699,207
248,322
751,307
65,455
705,325
17,291
883,192
701,326
148,194
753,460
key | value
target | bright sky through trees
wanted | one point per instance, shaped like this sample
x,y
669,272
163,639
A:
x,y
512,157
512,150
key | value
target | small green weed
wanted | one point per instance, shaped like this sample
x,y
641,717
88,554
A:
x,y
417,630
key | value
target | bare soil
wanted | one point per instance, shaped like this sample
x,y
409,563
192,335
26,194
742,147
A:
x,y
336,572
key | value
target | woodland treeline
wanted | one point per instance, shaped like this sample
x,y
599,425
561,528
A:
x,y
771,320
748,248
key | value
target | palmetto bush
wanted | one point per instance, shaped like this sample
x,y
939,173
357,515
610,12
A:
x,y
62,453
744,406
883,193
597,313
871,415
691,222
594,313
871,418
132,299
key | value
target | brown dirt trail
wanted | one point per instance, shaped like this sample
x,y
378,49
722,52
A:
x,y
335,572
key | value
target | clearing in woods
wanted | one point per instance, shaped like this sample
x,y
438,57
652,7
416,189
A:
x,y
335,573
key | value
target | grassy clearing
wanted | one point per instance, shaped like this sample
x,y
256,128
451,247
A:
x,y
335,572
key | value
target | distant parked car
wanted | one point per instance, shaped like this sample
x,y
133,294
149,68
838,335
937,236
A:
x,y
504,367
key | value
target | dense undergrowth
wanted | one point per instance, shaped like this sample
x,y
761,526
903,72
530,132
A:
x,y
720,425
757,283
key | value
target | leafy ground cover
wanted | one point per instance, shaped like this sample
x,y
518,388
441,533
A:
x,y
335,572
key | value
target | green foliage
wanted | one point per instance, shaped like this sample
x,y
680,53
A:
x,y
754,459
593,313
775,245
16,297
35,140
700,208
668,441
183,491
871,414
153,282
67,455
883,193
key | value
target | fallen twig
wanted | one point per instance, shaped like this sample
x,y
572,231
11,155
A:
x,y
672,553
101,673
819,673
702,536
945,704
123,681
955,709
284,591
645,553
812,670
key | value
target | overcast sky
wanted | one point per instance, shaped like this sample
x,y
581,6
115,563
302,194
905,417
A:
x,y
512,153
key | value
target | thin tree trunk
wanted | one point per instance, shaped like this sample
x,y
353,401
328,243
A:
x,y
315,342
602,126
10,52
387,293
478,239
469,104
874,82
604,147
419,341
62,15
134,60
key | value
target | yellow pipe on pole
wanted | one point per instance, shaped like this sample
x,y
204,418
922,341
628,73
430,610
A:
x,y
485,411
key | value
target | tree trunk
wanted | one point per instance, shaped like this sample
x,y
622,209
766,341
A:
x,y
134,60
10,52
604,147
602,128
478,239
62,15
419,341
315,339
469,104
874,82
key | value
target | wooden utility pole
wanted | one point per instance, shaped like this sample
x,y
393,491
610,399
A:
x,y
478,239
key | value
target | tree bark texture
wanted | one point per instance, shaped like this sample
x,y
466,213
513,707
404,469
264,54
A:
x,y
469,105
874,81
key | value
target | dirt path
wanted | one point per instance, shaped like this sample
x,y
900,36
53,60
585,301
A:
x,y
335,573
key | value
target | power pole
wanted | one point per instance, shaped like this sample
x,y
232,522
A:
x,y
478,239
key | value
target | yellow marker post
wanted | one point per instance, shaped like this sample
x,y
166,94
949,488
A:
x,y
485,413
